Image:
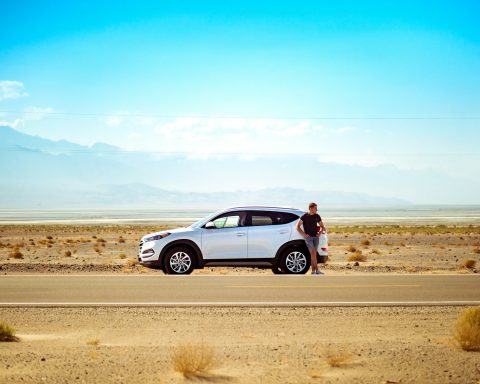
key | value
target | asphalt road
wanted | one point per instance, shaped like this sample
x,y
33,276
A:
x,y
365,290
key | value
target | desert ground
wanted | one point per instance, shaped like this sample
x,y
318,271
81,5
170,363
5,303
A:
x,y
249,345
52,248
138,344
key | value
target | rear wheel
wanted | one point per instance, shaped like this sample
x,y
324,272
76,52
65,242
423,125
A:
x,y
179,261
295,261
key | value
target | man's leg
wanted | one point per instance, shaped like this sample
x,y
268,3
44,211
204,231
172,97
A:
x,y
313,258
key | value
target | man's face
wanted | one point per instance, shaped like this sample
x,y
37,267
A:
x,y
313,210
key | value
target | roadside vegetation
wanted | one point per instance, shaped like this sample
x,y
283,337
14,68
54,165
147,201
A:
x,y
467,329
7,332
195,360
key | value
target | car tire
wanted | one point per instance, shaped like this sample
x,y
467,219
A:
x,y
322,259
277,270
295,261
179,261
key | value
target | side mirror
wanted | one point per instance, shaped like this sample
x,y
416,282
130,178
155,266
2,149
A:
x,y
210,225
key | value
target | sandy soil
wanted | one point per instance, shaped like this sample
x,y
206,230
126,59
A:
x,y
113,249
254,345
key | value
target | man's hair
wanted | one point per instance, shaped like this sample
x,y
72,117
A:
x,y
311,205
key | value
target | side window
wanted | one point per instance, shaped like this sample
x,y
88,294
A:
x,y
271,218
285,217
230,220
260,219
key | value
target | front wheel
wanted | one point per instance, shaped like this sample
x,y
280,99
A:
x,y
276,270
179,261
295,261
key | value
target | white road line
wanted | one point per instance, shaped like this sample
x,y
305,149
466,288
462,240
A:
x,y
236,275
244,303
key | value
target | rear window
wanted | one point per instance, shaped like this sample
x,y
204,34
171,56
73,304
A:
x,y
271,218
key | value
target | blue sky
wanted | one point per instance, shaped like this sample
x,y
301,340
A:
x,y
162,76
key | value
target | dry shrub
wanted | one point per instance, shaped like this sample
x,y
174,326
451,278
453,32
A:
x,y
195,360
122,256
49,237
469,263
68,253
351,248
132,262
16,254
94,342
467,329
336,358
376,251
7,333
476,250
121,239
357,256
366,243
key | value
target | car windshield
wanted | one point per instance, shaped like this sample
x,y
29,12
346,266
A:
x,y
203,220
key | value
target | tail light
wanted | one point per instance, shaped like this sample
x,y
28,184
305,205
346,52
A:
x,y
324,249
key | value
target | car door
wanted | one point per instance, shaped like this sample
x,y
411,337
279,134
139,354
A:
x,y
228,240
267,231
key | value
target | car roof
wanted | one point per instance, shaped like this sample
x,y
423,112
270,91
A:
x,y
265,208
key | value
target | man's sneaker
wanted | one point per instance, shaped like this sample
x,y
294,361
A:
x,y
319,273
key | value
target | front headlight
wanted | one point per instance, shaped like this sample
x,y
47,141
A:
x,y
157,237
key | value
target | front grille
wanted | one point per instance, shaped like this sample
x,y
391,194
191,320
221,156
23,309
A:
x,y
140,247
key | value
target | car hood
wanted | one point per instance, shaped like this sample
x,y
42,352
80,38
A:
x,y
175,230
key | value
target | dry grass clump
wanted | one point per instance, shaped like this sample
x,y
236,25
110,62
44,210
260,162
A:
x,y
375,251
357,256
122,256
467,329
121,239
351,248
7,333
195,360
67,253
94,342
366,243
476,250
16,254
469,263
336,358
132,262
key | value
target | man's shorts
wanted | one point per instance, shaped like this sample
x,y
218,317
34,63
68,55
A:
x,y
312,242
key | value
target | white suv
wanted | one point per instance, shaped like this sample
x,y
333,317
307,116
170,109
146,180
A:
x,y
252,236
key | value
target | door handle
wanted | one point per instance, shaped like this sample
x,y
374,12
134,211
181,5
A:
x,y
240,234
284,231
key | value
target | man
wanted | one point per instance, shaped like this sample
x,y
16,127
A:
x,y
312,228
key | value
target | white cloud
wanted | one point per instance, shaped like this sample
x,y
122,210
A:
x,y
195,127
113,121
10,89
37,113
12,124
346,129
134,135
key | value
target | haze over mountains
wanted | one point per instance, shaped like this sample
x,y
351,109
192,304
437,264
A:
x,y
39,173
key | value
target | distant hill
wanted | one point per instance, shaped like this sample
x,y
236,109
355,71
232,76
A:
x,y
37,172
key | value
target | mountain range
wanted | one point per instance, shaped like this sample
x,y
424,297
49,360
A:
x,y
36,172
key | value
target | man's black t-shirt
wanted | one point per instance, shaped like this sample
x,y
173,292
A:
x,y
310,223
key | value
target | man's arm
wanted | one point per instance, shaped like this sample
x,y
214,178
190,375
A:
x,y
322,227
299,223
